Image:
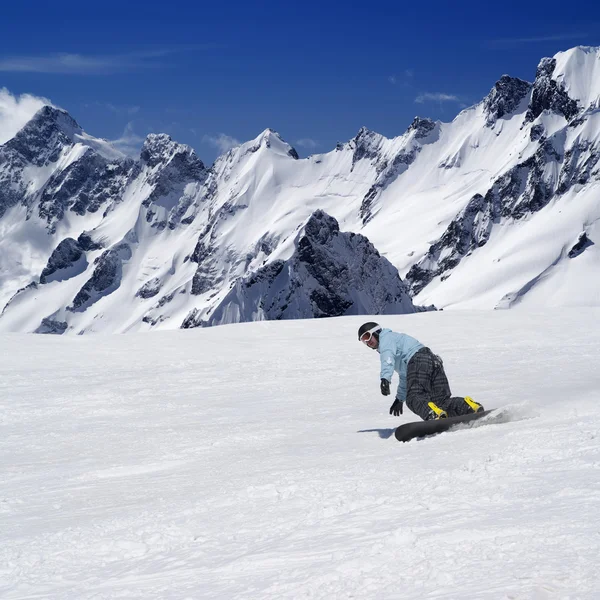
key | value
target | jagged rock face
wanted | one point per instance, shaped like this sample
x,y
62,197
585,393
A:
x,y
581,164
365,146
86,184
549,95
330,274
421,127
504,98
105,279
420,132
64,257
583,243
161,150
149,289
44,137
173,166
520,192
86,243
52,326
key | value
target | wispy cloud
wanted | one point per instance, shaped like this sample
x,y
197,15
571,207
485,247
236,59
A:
x,y
221,141
307,143
436,97
82,64
15,111
129,143
122,110
559,37
404,79
115,108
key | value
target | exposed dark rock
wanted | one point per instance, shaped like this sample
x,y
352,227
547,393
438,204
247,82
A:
x,y
330,274
582,244
149,289
518,193
504,98
192,320
549,95
64,256
421,127
52,326
365,146
105,279
400,163
87,244
580,165
44,137
536,133
31,286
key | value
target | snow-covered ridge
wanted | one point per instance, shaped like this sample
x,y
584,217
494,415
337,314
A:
x,y
487,211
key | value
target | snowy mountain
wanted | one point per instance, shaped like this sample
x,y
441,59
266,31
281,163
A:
x,y
498,208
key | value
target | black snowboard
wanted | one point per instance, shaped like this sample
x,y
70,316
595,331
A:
x,y
407,432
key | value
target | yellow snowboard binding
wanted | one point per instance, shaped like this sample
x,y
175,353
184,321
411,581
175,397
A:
x,y
436,412
474,405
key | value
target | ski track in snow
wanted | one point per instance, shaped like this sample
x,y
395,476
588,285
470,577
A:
x,y
255,461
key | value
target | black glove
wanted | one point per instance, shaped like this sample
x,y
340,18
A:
x,y
396,408
385,387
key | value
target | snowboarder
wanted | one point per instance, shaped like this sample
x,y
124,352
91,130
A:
x,y
423,383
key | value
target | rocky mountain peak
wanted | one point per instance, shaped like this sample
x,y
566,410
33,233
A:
x,y
271,139
549,95
366,144
320,227
50,116
331,273
44,136
504,98
160,149
422,127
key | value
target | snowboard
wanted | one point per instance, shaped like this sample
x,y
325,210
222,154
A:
x,y
409,431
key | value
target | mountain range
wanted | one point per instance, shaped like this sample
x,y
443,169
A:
x,y
497,209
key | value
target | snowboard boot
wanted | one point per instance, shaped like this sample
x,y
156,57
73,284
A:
x,y
475,407
436,412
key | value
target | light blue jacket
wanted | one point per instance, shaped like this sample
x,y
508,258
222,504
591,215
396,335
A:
x,y
395,350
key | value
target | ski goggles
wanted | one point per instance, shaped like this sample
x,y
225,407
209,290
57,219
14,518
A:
x,y
365,338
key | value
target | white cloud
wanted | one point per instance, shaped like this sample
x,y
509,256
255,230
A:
x,y
129,143
404,80
122,110
559,37
436,97
221,141
80,64
307,143
15,111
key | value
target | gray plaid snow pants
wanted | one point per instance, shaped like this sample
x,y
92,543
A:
x,y
426,382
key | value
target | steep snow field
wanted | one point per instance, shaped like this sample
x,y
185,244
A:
x,y
255,461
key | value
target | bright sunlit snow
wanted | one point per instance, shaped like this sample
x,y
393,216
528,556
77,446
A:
x,y
255,461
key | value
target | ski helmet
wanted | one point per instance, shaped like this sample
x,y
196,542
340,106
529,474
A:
x,y
375,328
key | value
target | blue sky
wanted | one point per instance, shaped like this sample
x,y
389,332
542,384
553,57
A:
x,y
213,73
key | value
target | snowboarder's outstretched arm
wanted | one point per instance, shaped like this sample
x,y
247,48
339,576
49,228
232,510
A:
x,y
387,354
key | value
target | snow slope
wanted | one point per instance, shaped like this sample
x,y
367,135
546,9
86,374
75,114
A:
x,y
255,461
